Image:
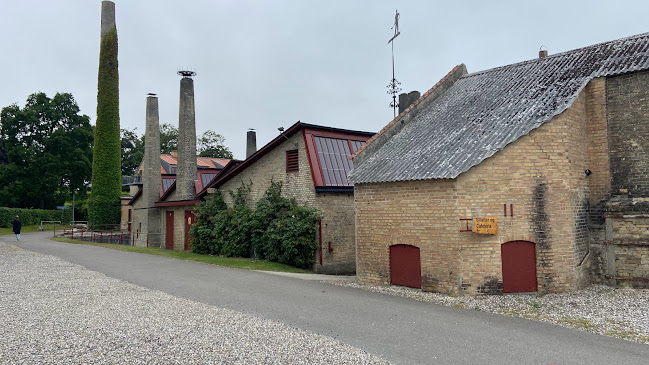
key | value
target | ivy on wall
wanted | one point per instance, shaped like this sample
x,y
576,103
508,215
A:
x,y
104,207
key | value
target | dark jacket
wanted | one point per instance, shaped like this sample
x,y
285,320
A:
x,y
17,226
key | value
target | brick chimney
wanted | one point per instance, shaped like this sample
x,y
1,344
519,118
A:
x,y
151,177
543,53
186,170
405,100
251,143
107,17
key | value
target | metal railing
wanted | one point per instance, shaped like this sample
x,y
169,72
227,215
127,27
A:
x,y
99,236
54,223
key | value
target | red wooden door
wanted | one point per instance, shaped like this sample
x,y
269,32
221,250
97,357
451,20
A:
x,y
405,266
190,219
169,230
519,267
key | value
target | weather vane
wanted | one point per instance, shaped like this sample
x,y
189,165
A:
x,y
393,86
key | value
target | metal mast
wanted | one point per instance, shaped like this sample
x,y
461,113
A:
x,y
393,86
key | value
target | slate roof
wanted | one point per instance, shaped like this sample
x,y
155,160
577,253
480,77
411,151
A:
x,y
483,112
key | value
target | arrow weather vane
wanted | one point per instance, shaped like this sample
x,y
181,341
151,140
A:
x,y
393,86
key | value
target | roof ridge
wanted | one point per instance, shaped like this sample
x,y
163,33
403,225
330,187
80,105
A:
x,y
560,54
408,109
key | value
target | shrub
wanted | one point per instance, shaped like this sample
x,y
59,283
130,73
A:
x,y
278,230
237,225
202,232
284,230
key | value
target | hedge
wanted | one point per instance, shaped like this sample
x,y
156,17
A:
x,y
31,217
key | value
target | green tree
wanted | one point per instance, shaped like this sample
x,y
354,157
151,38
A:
x,y
168,138
132,151
211,144
104,209
48,148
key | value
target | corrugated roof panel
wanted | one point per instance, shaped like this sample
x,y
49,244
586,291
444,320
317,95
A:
x,y
485,111
334,158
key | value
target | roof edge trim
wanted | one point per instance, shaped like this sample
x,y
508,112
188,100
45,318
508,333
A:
x,y
395,126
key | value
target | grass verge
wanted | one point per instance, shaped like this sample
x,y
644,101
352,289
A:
x,y
233,262
28,229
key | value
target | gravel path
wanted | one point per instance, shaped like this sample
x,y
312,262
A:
x,y
622,313
55,312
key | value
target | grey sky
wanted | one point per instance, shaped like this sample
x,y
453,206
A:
x,y
266,64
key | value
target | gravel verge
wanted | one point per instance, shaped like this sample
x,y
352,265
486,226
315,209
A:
x,y
621,313
55,312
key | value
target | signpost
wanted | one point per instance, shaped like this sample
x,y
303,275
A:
x,y
485,225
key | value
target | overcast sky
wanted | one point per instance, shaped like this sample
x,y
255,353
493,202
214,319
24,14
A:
x,y
268,64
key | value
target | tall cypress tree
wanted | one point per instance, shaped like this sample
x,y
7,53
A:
x,y
104,209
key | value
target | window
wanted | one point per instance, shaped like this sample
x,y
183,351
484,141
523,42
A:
x,y
172,169
292,162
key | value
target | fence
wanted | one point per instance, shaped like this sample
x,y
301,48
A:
x,y
114,236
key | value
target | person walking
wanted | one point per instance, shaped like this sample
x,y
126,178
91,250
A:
x,y
17,226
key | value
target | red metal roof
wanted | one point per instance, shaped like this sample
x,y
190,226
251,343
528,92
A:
x,y
342,137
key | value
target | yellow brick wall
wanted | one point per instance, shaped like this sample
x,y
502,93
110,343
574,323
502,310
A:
x,y
336,209
541,175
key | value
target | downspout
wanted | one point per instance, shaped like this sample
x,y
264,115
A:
x,y
320,238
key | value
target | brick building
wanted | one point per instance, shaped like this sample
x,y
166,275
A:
x,y
137,211
551,153
312,163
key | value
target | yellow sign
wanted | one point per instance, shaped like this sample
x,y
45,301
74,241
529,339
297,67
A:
x,y
485,225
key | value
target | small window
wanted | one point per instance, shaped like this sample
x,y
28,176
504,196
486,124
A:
x,y
172,169
292,162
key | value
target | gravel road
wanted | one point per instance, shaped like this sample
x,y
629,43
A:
x,y
621,313
55,312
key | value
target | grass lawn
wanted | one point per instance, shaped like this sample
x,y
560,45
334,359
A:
x,y
28,229
234,262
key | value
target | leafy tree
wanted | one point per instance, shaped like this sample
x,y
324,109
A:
x,y
104,209
210,144
48,148
168,138
132,151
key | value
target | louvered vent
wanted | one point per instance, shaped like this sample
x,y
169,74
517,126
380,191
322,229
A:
x,y
292,162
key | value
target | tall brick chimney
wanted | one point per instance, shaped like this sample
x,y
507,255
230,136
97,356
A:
x,y
251,143
405,100
151,176
186,170
107,17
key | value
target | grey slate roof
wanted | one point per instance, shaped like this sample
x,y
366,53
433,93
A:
x,y
485,111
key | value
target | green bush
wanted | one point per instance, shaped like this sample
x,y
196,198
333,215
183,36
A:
x,y
278,230
284,230
235,225
32,217
202,232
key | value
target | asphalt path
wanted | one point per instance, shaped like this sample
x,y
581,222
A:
x,y
401,330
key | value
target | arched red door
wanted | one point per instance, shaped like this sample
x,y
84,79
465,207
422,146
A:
x,y
405,266
519,267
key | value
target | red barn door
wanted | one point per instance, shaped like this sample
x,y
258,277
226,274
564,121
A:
x,y
405,266
169,230
519,267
